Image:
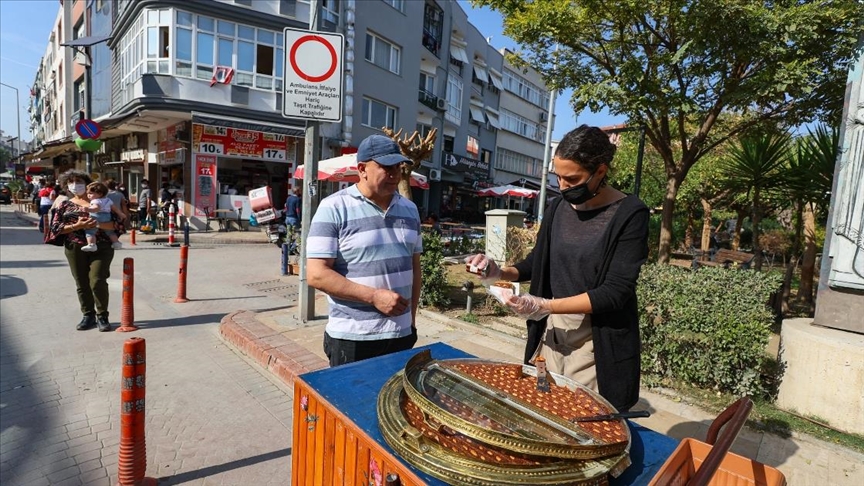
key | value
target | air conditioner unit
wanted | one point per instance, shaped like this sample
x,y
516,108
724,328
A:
x,y
544,116
442,104
434,174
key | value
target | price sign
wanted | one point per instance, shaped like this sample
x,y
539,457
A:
x,y
274,154
211,148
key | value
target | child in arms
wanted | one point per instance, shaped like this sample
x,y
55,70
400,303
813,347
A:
x,y
101,208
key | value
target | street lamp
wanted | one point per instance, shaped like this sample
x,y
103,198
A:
x,y
83,44
18,122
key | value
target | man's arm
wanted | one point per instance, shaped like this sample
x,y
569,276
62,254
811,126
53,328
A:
x,y
415,288
320,275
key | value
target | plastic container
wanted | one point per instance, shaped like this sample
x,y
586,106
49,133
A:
x,y
733,470
261,199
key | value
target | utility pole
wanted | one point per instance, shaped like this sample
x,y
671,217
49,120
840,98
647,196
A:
x,y
547,157
310,179
18,123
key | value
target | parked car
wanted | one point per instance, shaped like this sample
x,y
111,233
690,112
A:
x,y
5,194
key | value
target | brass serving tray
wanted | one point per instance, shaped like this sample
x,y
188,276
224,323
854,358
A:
x,y
459,460
498,404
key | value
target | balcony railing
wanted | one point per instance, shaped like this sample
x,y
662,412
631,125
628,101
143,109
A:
x,y
431,42
428,99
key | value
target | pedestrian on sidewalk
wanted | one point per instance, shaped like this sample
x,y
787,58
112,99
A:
x,y
117,197
581,311
89,270
294,209
144,201
363,251
46,198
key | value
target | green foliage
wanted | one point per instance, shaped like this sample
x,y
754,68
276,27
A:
x,y
433,291
470,318
5,157
15,186
708,327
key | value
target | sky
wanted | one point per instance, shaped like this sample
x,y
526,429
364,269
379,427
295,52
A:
x,y
26,24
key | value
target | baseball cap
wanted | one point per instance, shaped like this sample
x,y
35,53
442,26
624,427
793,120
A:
x,y
381,149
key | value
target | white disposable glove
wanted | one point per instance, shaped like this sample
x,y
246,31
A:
x,y
530,307
483,266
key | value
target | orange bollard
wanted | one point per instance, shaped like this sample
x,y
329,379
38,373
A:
x,y
181,280
127,308
132,459
132,237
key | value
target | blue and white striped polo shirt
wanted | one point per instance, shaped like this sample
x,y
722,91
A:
x,y
373,248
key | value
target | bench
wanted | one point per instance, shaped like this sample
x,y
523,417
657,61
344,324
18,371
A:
x,y
726,259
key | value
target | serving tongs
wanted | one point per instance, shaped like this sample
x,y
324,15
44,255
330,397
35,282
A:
x,y
613,416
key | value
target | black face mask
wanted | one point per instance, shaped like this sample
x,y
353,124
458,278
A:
x,y
580,193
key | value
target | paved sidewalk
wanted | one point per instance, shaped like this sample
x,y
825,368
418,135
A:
x,y
280,343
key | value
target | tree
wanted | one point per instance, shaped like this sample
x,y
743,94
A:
x,y
415,148
753,166
5,157
676,64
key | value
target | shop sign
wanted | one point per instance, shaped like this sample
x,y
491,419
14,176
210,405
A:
x,y
205,188
248,144
458,163
134,155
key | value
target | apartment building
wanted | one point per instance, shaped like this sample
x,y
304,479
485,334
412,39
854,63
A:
x,y
189,94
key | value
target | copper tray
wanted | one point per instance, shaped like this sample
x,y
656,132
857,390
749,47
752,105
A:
x,y
479,422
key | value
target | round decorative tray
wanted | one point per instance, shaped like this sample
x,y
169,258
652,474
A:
x,y
479,422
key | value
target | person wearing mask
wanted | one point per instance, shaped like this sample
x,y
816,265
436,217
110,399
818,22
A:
x,y
46,199
90,270
363,251
294,208
117,198
144,200
581,311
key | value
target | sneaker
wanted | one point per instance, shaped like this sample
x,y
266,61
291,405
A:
x,y
117,245
102,323
87,322
89,248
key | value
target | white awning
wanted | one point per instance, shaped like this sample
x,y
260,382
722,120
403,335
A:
x,y
477,114
458,53
481,73
497,79
493,119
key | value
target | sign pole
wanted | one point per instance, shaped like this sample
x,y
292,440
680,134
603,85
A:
x,y
311,155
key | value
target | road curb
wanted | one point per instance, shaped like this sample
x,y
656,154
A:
x,y
267,347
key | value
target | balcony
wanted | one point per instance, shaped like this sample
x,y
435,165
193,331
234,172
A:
x,y
431,42
428,99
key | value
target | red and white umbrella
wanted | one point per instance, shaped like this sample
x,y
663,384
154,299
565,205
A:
x,y
508,190
344,169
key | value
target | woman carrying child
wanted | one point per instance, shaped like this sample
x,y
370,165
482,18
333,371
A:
x,y
100,208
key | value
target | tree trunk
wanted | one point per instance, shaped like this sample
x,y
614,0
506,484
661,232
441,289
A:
x,y
808,264
688,232
667,217
739,223
757,221
405,182
793,261
706,226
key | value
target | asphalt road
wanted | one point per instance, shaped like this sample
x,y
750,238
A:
x,y
212,417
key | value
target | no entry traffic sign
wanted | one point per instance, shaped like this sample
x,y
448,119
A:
x,y
88,129
312,85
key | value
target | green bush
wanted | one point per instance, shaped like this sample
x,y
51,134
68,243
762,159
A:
x,y
433,291
708,328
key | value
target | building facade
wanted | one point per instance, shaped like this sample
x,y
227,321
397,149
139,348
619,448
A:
x,y
189,94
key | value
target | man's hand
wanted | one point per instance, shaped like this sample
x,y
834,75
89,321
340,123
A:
x,y
389,303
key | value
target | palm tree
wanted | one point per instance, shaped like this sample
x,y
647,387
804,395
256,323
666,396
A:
x,y
753,164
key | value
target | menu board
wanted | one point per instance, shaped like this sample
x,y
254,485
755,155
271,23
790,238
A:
x,y
205,186
248,144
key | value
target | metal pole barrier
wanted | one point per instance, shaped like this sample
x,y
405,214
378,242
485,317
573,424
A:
x,y
181,280
132,459
284,258
132,237
127,309
186,233
171,217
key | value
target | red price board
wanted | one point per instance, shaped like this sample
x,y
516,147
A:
x,y
248,144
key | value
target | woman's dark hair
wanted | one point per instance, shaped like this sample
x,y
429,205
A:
x,y
73,174
587,146
112,184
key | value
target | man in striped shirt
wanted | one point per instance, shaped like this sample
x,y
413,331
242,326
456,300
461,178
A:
x,y
363,251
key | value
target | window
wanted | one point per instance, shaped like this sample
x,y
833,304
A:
x,y
524,89
397,4
382,53
433,27
423,130
427,83
378,115
80,30
79,95
454,100
517,163
330,11
288,8
448,144
519,125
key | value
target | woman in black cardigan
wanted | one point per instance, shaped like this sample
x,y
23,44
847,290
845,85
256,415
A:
x,y
583,270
